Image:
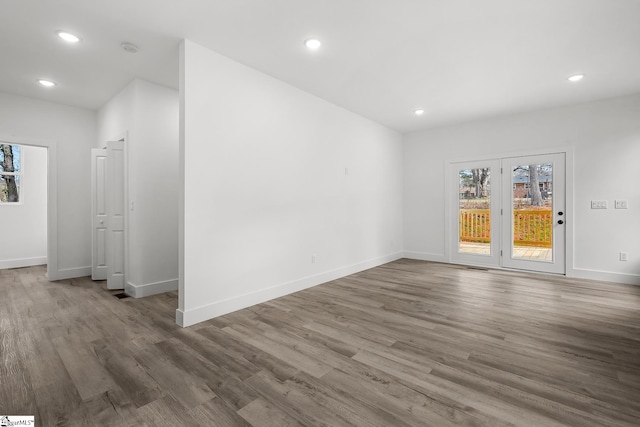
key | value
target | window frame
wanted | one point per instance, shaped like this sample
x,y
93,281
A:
x,y
18,174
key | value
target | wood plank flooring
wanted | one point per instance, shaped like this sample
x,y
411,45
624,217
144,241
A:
x,y
409,343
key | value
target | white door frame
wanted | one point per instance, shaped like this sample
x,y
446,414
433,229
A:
x,y
451,223
52,198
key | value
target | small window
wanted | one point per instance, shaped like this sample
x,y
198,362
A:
x,y
10,173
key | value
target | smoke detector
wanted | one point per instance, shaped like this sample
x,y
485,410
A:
x,y
129,47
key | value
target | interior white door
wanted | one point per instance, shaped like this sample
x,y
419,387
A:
x,y
115,214
99,214
534,213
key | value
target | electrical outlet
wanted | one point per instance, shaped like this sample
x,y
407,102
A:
x,y
598,204
624,256
621,204
313,259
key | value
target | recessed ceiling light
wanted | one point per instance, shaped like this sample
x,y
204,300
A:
x,y
46,83
576,77
129,47
418,112
312,44
68,37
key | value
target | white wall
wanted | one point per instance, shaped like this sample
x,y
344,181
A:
x,y
27,233
148,115
605,139
72,131
265,188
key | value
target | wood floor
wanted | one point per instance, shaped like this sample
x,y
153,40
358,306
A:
x,y
408,343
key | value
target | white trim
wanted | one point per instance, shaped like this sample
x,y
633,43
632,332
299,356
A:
x,y
570,208
219,308
576,273
52,200
52,213
181,180
425,256
72,273
180,317
141,291
23,262
605,276
521,153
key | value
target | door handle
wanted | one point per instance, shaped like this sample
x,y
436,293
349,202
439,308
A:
x,y
560,222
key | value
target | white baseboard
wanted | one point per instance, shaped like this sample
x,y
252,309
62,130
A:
x,y
425,256
141,291
24,262
70,273
606,276
200,314
180,318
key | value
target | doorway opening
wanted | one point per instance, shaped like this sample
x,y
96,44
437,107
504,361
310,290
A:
x,y
27,201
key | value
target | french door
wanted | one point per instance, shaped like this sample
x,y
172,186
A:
x,y
510,213
476,210
533,213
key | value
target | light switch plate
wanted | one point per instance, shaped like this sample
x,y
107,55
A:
x,y
598,204
621,204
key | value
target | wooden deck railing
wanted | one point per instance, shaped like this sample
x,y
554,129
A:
x,y
531,227
475,225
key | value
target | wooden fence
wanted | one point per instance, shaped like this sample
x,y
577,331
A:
x,y
530,227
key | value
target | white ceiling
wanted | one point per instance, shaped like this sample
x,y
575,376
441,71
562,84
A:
x,y
460,60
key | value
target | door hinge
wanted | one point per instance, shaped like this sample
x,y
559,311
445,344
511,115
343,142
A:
x,y
501,212
500,253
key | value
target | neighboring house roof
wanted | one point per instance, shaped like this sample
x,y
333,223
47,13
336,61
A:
x,y
541,178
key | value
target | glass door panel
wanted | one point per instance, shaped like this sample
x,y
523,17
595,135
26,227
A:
x,y
474,213
532,201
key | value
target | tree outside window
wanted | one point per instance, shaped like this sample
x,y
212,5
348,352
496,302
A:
x,y
10,172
